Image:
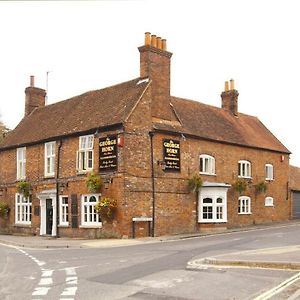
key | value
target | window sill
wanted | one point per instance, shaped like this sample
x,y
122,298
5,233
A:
x,y
22,225
207,174
49,176
91,226
63,225
245,213
212,221
245,177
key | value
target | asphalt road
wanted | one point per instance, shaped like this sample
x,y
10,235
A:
x,y
148,271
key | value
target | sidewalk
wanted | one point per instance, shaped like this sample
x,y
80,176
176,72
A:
x,y
286,258
50,242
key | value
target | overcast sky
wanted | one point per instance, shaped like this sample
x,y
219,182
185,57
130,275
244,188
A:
x,y
88,45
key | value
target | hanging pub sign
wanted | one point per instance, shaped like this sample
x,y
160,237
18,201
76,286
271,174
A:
x,y
171,152
108,154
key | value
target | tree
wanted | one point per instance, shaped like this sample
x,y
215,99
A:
x,y
3,131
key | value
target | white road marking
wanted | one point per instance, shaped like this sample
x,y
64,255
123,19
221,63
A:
x,y
47,273
46,281
277,289
70,271
69,291
40,291
72,280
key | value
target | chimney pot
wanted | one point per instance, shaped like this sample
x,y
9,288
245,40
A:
x,y
32,81
159,43
226,86
153,40
231,84
147,39
164,44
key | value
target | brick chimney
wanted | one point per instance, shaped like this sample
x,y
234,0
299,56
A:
x,y
34,97
230,98
155,63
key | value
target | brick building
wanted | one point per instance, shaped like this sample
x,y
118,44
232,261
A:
x,y
156,142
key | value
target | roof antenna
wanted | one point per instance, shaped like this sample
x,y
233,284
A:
x,y
47,78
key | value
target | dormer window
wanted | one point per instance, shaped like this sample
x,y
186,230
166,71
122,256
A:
x,y
85,154
244,169
207,164
269,172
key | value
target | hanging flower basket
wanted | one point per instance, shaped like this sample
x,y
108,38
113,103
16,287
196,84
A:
x,y
261,187
24,187
106,207
195,183
4,210
93,182
240,185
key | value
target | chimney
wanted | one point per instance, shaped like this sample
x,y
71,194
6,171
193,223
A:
x,y
34,97
155,63
230,98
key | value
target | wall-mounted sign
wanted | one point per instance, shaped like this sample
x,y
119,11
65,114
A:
x,y
171,152
108,154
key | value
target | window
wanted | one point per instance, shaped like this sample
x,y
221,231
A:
x,y
89,216
269,201
23,210
244,169
63,211
213,209
49,159
207,164
21,163
244,205
85,153
269,172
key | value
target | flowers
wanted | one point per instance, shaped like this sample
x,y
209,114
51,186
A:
x,y
4,209
23,188
195,183
106,207
93,182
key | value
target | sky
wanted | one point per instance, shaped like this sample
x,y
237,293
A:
x,y
88,45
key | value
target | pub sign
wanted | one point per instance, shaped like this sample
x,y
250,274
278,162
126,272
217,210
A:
x,y
108,154
171,152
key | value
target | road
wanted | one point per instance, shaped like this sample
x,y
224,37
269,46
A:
x,y
148,271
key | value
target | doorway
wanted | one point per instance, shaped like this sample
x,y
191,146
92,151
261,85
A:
x,y
49,216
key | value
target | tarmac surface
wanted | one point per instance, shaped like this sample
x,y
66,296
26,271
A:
x,y
277,258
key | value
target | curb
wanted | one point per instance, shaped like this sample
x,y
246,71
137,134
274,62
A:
x,y
200,264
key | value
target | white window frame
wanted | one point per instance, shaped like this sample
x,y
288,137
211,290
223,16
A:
x,y
269,201
23,209
244,205
21,163
207,164
63,211
214,194
85,154
244,168
269,172
92,218
49,166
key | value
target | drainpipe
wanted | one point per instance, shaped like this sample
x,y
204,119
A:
x,y
57,186
151,134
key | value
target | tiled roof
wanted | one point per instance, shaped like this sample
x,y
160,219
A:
x,y
294,177
112,105
216,124
90,110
